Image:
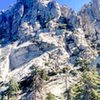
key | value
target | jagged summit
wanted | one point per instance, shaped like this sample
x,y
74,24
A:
x,y
19,13
30,3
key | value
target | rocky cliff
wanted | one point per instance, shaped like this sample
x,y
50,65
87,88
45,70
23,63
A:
x,y
49,36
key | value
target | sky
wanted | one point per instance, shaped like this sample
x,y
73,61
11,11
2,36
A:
x,y
74,4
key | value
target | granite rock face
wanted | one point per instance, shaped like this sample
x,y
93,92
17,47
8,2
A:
x,y
49,36
90,17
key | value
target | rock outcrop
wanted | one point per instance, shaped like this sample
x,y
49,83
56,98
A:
x,y
49,36
90,17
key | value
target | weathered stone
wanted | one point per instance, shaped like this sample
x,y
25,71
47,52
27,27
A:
x,y
51,37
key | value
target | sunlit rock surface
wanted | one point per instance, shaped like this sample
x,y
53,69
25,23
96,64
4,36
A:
x,y
49,36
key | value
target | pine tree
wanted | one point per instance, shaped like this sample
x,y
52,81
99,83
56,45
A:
x,y
88,86
84,64
38,82
50,96
13,88
67,93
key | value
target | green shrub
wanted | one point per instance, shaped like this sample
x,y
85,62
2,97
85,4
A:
x,y
74,72
87,87
50,97
66,69
84,64
33,70
52,73
13,89
46,63
43,75
3,58
99,52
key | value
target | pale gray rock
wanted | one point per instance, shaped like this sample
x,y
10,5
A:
x,y
50,37
18,14
70,16
90,16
